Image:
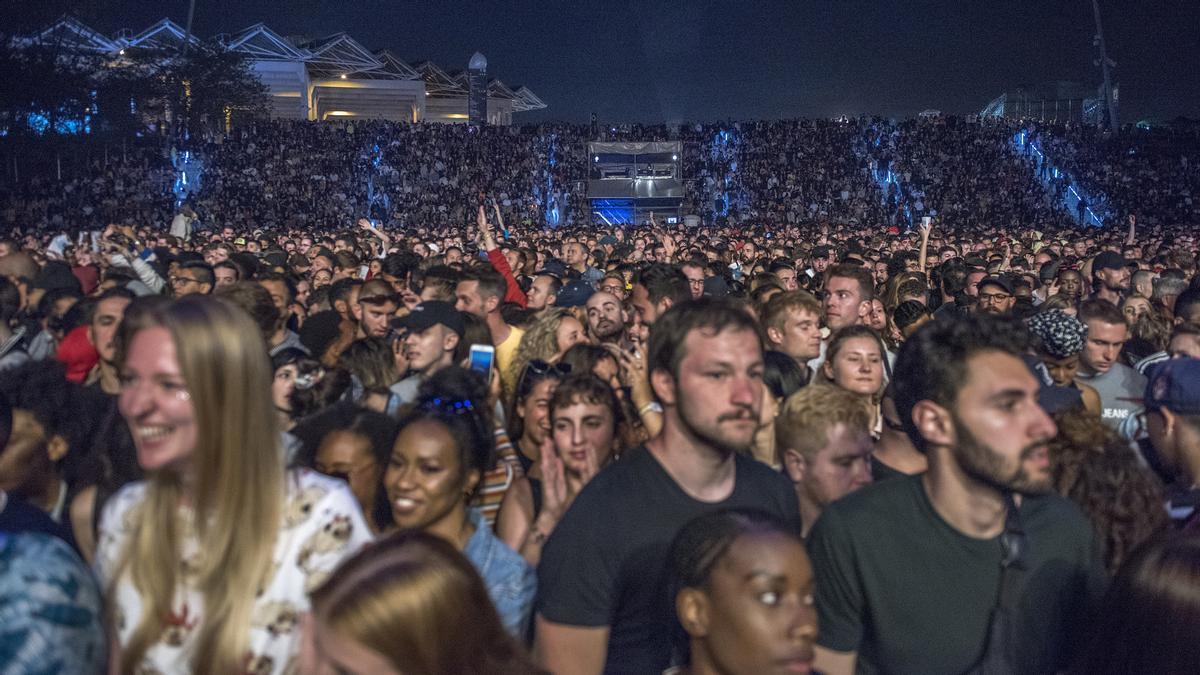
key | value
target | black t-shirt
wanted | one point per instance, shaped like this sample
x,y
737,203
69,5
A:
x,y
911,594
881,471
605,563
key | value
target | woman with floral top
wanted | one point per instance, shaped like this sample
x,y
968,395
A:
x,y
208,562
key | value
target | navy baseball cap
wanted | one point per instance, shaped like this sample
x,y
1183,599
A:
x,y
554,268
574,294
1174,384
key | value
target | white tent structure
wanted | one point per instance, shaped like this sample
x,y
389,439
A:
x,y
315,79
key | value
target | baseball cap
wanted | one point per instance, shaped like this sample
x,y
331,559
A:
x,y
1109,260
574,294
1174,384
554,268
430,313
607,240
1000,281
716,286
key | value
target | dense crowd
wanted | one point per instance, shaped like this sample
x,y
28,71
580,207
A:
x,y
1154,173
353,410
964,171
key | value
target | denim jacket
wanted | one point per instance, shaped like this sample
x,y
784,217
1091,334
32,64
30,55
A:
x,y
510,581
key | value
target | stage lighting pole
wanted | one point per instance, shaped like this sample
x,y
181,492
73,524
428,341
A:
x,y
1110,104
187,32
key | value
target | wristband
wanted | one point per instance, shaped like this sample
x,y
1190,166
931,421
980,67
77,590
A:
x,y
652,406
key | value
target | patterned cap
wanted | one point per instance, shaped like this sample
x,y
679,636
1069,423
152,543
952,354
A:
x,y
1057,333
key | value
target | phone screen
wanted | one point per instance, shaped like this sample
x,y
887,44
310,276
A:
x,y
482,357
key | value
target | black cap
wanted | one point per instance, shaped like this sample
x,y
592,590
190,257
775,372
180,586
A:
x,y
1109,260
1001,281
716,286
429,314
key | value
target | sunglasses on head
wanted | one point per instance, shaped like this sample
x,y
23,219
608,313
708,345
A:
x,y
538,369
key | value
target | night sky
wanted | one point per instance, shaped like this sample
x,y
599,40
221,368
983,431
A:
x,y
654,60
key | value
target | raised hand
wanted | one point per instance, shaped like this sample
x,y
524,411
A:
x,y
555,496
668,246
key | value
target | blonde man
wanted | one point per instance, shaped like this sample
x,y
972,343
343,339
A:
x,y
823,436
793,325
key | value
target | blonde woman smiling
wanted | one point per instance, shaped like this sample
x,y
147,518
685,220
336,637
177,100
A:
x,y
208,562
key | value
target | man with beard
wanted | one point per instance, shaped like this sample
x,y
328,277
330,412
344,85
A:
x,y
606,319
656,288
604,605
911,573
1110,277
995,296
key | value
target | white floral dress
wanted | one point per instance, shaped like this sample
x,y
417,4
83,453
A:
x,y
323,525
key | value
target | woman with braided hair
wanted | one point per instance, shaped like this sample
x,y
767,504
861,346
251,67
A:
x,y
1058,339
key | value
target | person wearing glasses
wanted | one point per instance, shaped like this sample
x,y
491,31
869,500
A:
x,y
192,277
995,296
694,271
974,564
445,446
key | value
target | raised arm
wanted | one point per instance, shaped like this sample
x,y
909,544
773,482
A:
x,y
496,257
924,255
383,236
1131,238
499,216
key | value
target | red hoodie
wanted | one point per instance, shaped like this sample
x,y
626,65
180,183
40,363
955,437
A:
x,y
78,354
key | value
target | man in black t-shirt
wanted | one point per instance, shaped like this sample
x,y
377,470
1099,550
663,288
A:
x,y
908,571
603,604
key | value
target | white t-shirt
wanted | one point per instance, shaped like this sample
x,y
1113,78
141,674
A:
x,y
322,526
